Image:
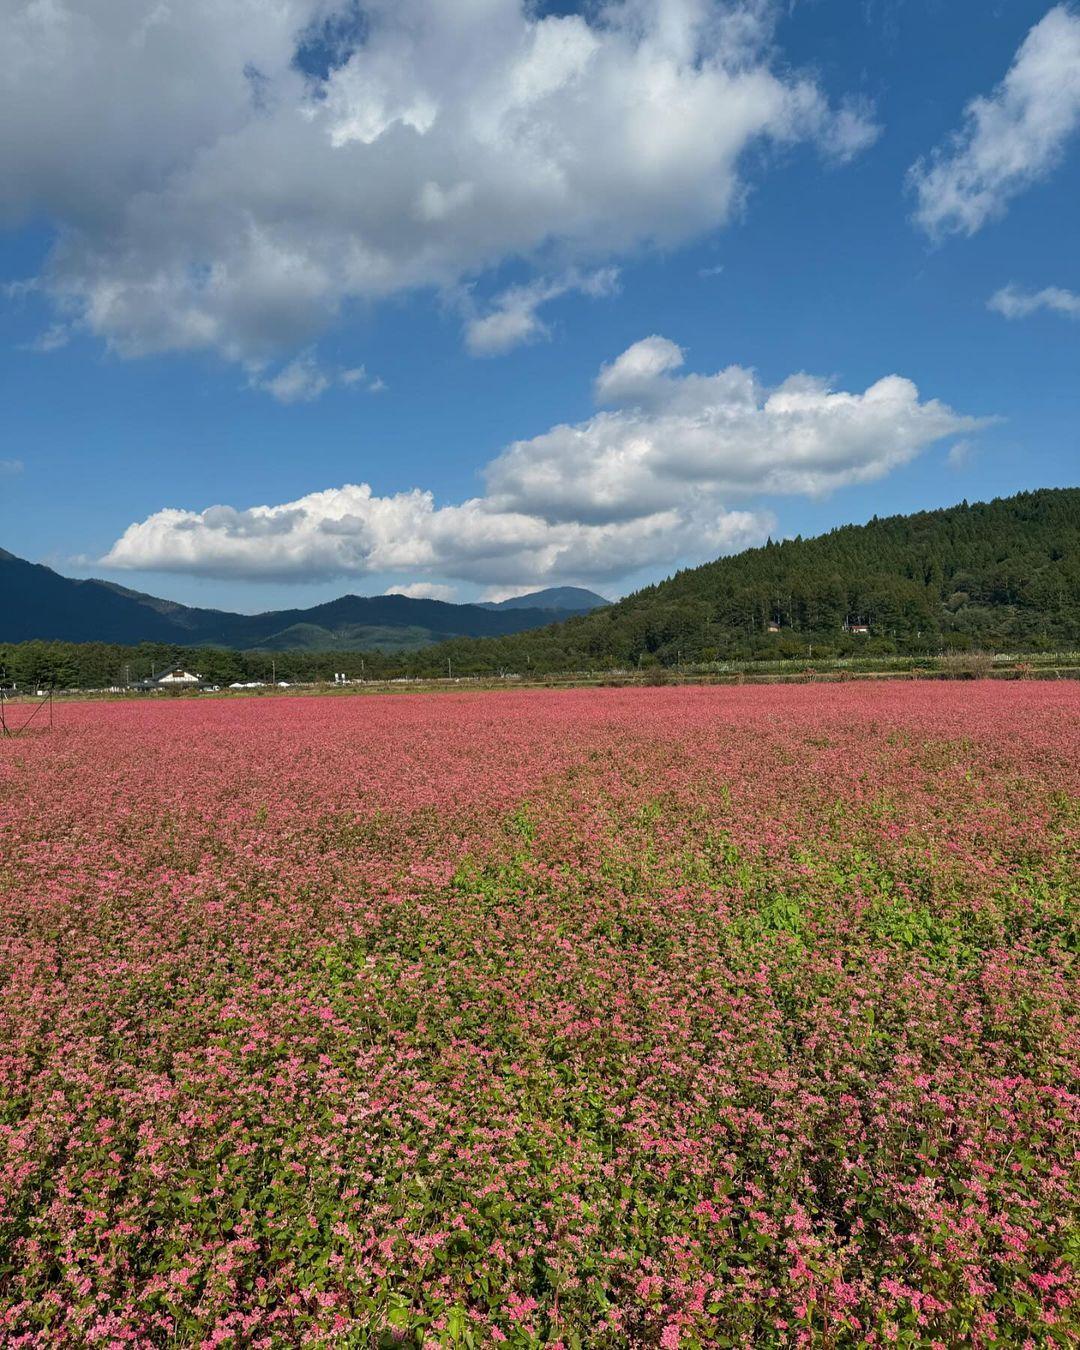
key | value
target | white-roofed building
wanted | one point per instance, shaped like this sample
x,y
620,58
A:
x,y
178,679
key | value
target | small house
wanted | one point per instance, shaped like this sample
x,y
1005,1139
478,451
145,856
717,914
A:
x,y
772,628
178,679
861,629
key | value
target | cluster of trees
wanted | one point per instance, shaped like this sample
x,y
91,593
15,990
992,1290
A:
x,y
996,576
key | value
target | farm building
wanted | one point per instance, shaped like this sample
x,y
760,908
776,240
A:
x,y
177,679
860,628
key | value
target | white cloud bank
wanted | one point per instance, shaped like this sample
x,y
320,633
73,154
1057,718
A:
x,y
271,162
647,481
1016,303
1010,139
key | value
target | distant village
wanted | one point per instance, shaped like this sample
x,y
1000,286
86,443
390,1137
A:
x,y
178,678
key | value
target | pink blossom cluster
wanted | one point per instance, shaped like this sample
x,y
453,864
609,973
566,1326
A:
x,y
620,1018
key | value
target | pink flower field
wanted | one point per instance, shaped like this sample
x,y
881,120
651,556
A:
x,y
619,1018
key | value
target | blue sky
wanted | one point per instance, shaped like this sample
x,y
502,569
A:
x,y
219,299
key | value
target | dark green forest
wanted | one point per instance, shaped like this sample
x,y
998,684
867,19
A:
x,y
996,576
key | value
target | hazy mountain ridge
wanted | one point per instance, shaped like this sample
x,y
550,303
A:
x,y
564,599
38,603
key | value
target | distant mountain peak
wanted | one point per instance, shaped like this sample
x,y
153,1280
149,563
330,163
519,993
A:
x,y
560,599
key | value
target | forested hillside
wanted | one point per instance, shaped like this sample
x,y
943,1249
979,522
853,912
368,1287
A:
x,y
999,576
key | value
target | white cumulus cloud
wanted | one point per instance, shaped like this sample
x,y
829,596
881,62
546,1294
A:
x,y
667,437
269,164
513,316
663,474
1016,303
349,531
1011,138
425,590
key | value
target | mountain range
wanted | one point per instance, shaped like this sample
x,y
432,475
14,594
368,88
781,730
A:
x,y
38,603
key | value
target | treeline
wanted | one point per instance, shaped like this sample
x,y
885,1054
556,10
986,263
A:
x,y
104,665
996,576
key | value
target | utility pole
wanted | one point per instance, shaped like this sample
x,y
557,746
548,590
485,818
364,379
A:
x,y
449,670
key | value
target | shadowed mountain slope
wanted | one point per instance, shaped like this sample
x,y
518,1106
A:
x,y
36,602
